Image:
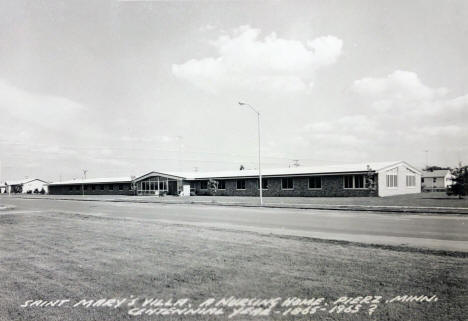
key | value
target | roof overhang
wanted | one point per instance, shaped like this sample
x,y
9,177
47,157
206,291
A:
x,y
150,174
281,175
88,183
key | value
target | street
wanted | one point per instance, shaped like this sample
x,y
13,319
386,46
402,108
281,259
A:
x,y
435,232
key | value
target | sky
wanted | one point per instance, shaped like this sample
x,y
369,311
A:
x,y
121,88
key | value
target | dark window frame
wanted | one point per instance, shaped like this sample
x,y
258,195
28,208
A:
x,y
353,181
222,184
287,186
313,182
242,181
264,183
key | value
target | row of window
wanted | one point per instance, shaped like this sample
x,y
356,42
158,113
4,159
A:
x,y
152,185
110,187
287,183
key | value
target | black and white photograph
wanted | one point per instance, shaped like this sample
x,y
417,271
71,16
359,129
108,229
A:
x,y
238,160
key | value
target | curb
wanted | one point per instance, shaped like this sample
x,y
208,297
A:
x,y
7,207
355,208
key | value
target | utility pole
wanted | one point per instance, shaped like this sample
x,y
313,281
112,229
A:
x,y
179,156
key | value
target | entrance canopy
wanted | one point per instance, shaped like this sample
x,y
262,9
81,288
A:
x,y
155,183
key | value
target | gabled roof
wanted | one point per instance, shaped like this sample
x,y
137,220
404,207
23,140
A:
x,y
435,173
293,171
127,179
395,164
22,181
153,173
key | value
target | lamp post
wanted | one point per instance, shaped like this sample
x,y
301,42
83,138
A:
x,y
84,178
260,187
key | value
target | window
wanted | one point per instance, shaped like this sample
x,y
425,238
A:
x,y
422,180
264,183
70,188
221,184
86,187
93,187
358,181
392,180
410,180
240,184
434,180
120,187
111,187
315,182
348,181
77,187
354,181
102,187
204,185
287,183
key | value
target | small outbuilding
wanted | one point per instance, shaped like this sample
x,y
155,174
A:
x,y
25,186
436,180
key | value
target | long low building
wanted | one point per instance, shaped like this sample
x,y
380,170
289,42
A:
x,y
367,179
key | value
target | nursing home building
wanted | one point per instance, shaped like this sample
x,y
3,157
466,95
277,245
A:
x,y
366,179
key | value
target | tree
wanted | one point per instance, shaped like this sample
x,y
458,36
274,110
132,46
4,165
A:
x,y
241,168
370,179
459,182
435,168
212,186
42,191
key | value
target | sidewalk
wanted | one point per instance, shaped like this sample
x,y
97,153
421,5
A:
x,y
269,202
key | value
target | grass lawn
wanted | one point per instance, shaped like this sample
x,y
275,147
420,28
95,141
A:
x,y
433,199
63,256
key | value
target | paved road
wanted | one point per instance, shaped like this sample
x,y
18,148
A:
x,y
442,232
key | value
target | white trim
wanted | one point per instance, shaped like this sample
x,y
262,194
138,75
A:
x,y
397,164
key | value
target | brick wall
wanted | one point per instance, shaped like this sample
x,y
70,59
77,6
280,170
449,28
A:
x,y
77,189
331,186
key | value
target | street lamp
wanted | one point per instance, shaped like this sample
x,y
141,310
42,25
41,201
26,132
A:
x,y
260,187
84,179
